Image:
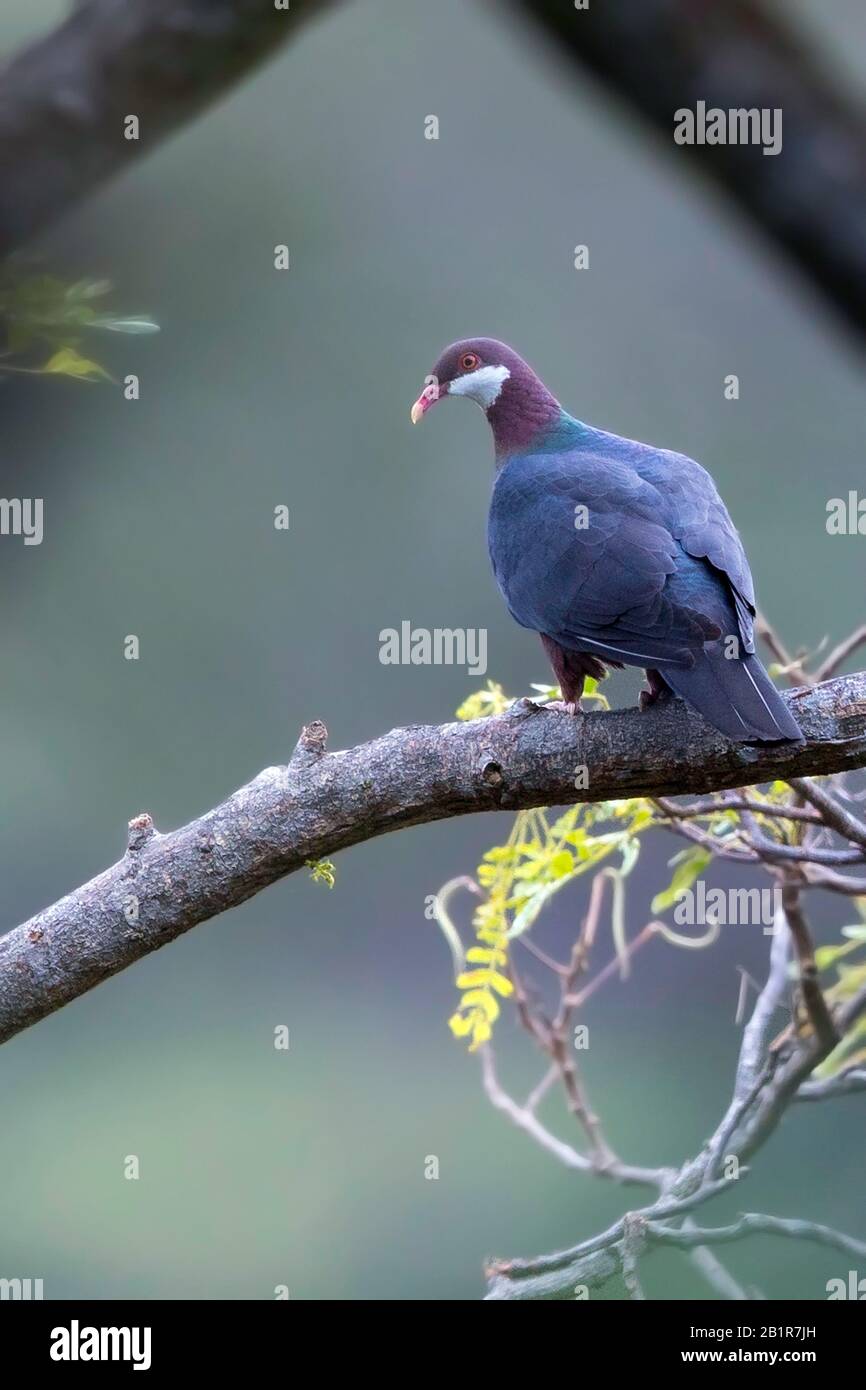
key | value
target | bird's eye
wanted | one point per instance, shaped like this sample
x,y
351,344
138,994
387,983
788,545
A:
x,y
469,361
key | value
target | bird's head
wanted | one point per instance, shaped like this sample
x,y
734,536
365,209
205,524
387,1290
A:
x,y
517,404
475,367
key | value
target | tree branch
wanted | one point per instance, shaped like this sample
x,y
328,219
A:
x,y
63,102
755,1223
525,1118
662,55
769,1076
810,987
846,1083
323,802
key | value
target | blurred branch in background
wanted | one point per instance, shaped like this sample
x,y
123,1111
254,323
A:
x,y
322,802
64,102
663,55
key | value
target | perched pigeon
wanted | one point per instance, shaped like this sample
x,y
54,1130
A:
x,y
614,552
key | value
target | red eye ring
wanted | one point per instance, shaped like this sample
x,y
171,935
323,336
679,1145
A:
x,y
469,361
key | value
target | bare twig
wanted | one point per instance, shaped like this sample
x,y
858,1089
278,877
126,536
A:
x,y
680,823
772,852
711,807
754,1223
793,667
753,1066
813,998
717,1276
524,1118
840,654
614,965
845,1083
832,814
550,1276
816,877
788,1075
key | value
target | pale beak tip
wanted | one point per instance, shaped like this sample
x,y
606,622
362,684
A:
x,y
428,397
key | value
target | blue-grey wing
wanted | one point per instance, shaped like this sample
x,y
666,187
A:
x,y
600,557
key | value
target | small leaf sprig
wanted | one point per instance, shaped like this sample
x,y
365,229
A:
x,y
44,320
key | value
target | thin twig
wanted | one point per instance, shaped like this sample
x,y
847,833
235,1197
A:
x,y
792,666
839,654
716,1274
524,1118
813,997
754,1223
663,1209
845,1083
832,814
711,806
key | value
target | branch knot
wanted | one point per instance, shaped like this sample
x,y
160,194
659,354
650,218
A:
x,y
141,829
310,747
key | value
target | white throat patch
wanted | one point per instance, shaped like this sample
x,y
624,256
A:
x,y
483,386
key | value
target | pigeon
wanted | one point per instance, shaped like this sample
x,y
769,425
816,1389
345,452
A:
x,y
616,553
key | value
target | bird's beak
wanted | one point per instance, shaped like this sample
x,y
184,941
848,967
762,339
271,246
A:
x,y
429,396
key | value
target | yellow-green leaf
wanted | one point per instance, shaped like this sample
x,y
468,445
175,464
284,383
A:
x,y
68,362
481,1033
481,999
562,863
471,979
460,1025
689,866
486,955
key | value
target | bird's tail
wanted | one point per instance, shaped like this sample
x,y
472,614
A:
x,y
737,696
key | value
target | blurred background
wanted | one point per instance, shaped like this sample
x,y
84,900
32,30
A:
x,y
306,1168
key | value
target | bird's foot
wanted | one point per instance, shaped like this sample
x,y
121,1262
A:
x,y
655,689
562,706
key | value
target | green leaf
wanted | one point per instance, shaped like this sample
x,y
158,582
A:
x,y
88,289
533,905
136,325
561,863
545,692
689,866
501,984
825,956
591,692
68,362
322,871
486,955
485,979
491,700
630,852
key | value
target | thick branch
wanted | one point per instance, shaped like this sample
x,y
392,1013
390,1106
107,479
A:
x,y
323,802
63,102
662,55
